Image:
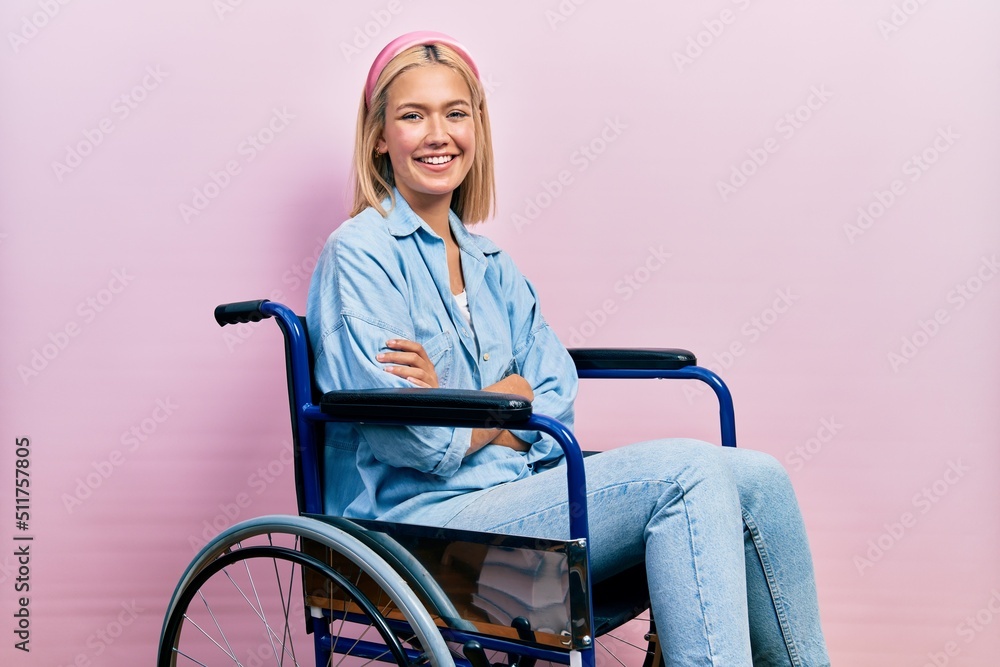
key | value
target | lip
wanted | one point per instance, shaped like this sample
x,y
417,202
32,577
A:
x,y
436,167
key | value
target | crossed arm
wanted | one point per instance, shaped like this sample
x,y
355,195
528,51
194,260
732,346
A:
x,y
411,362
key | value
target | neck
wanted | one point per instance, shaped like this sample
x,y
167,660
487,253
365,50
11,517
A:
x,y
434,211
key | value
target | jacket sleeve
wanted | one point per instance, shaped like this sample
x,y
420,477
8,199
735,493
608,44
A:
x,y
358,300
541,359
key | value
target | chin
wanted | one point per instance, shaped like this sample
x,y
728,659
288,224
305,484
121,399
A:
x,y
438,188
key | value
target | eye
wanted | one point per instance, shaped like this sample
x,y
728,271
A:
x,y
458,114
410,116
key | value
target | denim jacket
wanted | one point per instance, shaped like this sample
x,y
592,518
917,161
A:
x,y
381,278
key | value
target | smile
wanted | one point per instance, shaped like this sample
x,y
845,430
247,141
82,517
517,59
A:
x,y
436,159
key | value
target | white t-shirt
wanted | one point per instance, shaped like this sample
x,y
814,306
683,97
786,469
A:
x,y
462,299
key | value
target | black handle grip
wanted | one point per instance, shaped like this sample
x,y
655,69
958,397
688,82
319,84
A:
x,y
241,311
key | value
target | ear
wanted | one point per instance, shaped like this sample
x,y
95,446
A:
x,y
380,144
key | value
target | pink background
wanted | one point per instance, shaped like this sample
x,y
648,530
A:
x,y
895,458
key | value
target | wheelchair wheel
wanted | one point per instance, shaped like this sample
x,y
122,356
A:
x,y
264,593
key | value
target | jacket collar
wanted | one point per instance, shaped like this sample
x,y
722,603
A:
x,y
402,221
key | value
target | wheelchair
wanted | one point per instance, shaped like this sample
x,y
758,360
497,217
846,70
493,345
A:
x,y
376,591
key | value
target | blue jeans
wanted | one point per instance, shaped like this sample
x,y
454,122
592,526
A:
x,y
730,574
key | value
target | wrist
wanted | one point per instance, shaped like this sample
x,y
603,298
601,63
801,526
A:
x,y
508,439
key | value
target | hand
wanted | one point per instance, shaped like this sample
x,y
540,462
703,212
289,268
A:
x,y
513,384
508,439
410,362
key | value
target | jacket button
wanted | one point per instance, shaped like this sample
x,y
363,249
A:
x,y
486,357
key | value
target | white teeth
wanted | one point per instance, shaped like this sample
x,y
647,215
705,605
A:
x,y
437,159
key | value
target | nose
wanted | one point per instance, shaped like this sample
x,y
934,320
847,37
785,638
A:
x,y
437,131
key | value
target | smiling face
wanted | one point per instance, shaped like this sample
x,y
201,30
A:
x,y
429,134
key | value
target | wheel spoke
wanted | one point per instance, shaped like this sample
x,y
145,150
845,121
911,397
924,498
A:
x,y
376,658
287,606
230,652
610,652
354,645
210,637
180,652
286,633
260,607
269,631
627,642
341,623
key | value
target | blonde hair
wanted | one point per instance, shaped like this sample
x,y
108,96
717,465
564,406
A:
x,y
473,200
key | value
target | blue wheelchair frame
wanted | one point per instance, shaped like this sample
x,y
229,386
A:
x,y
459,408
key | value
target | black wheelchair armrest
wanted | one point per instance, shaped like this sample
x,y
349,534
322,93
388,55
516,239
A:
x,y
453,407
661,359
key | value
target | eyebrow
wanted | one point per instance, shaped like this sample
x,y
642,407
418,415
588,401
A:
x,y
424,107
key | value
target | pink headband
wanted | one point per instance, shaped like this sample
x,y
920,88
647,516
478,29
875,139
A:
x,y
407,41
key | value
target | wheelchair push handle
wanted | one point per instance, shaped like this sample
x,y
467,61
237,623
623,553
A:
x,y
240,312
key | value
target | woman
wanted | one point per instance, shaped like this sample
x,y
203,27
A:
x,y
404,295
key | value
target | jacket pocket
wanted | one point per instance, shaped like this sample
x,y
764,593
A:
x,y
438,350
